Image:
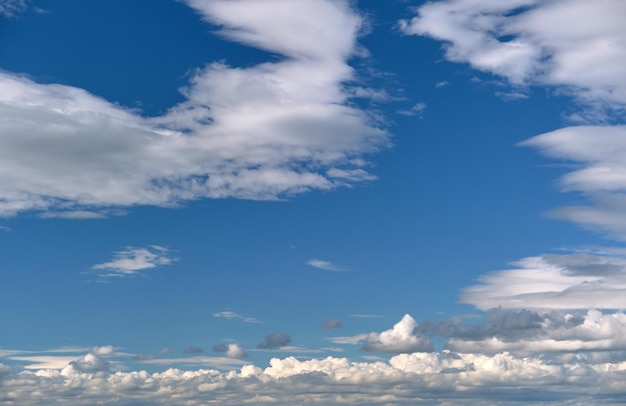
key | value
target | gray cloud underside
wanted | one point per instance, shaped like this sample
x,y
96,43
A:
x,y
263,132
420,378
595,279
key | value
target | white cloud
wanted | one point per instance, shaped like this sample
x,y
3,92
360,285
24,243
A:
x,y
402,338
132,260
416,110
574,44
326,265
232,315
348,339
231,350
599,174
267,131
576,281
418,378
5,228
11,8
549,334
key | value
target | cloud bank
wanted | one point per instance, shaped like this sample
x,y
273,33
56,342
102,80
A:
x,y
418,378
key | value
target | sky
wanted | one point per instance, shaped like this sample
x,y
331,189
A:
x,y
312,202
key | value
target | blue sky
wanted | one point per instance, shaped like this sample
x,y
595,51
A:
x,y
316,201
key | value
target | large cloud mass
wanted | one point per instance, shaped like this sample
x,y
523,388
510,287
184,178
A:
x,y
419,378
576,44
262,132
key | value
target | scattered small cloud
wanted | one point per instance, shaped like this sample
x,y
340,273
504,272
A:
x,y
231,350
274,341
417,110
193,350
443,83
331,324
103,350
366,316
232,315
4,228
132,260
164,350
326,265
352,340
142,357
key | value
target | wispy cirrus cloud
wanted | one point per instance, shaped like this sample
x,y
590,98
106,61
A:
x,y
12,8
131,261
232,315
326,265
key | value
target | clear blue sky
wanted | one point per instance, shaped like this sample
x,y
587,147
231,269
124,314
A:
x,y
408,196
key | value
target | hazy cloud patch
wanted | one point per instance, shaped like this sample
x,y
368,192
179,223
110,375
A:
x,y
274,341
332,324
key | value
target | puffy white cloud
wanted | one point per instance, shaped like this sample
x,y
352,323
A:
x,y
131,260
402,338
418,378
263,132
326,265
575,281
575,44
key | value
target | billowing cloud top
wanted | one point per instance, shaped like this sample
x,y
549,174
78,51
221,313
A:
x,y
262,132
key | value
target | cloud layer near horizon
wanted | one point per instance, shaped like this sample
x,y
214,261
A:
x,y
419,378
263,132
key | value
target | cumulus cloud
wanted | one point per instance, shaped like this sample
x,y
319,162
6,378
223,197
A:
x,y
536,333
232,315
332,324
232,350
268,131
402,338
274,341
418,378
91,362
321,264
572,281
132,260
576,45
